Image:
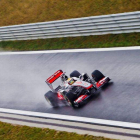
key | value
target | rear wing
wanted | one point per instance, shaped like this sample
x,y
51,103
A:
x,y
54,77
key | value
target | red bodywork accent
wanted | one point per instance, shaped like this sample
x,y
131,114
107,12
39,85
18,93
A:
x,y
54,77
60,96
81,98
101,82
89,86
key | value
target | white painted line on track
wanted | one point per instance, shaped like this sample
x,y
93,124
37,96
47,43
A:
x,y
73,50
73,118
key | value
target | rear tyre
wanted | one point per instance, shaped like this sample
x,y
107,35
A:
x,y
97,75
75,73
51,98
70,98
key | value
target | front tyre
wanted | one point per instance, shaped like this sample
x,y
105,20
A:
x,y
97,75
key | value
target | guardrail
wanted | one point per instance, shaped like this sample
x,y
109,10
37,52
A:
x,y
95,25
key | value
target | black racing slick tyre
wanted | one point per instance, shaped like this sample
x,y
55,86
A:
x,y
75,73
97,75
70,98
51,98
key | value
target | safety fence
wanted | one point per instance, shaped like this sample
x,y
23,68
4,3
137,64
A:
x,y
94,25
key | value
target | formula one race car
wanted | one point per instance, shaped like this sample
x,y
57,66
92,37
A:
x,y
75,89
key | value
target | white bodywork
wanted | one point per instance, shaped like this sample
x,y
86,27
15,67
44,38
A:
x,y
78,82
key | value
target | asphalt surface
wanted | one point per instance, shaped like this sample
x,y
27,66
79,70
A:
x,y
22,83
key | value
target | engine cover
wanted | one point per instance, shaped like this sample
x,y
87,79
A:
x,y
83,84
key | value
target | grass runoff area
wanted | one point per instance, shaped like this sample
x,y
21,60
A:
x,y
16,132
29,11
102,41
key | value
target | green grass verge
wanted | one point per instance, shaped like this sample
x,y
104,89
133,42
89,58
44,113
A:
x,y
103,41
28,11
16,132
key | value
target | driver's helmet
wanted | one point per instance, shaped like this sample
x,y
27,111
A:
x,y
70,81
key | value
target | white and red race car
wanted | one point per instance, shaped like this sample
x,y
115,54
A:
x,y
75,89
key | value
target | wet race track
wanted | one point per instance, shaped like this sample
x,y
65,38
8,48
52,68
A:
x,y
23,84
